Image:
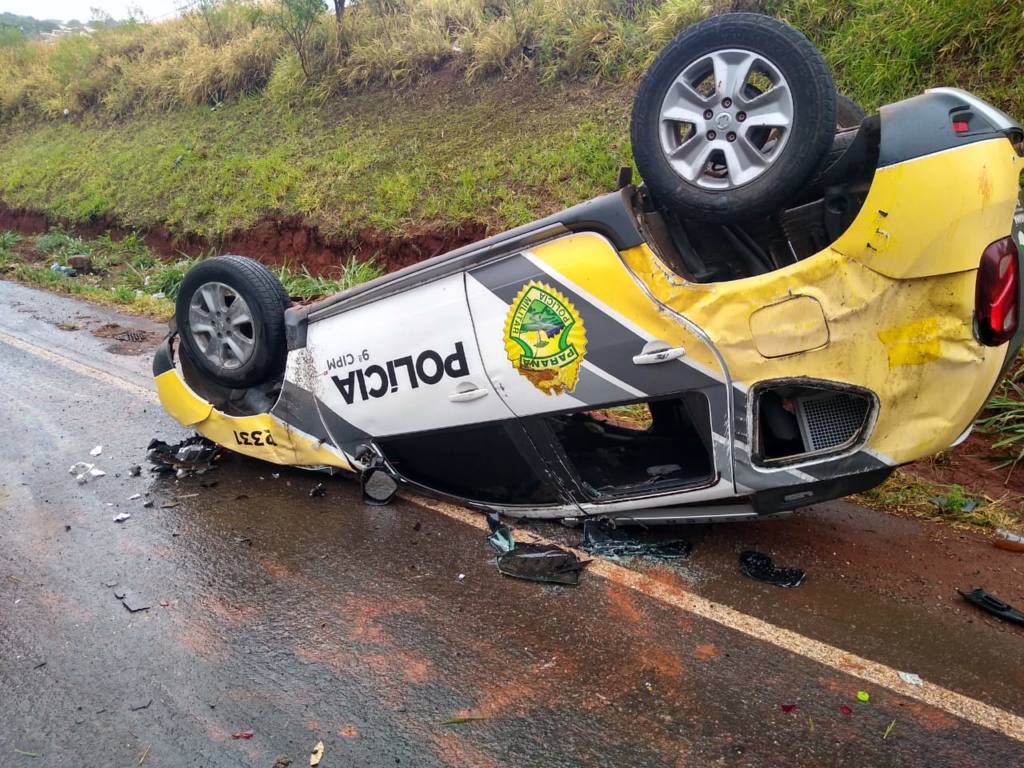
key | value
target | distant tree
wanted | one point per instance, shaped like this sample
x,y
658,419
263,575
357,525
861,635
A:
x,y
99,18
295,20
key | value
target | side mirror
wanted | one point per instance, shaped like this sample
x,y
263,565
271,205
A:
x,y
379,486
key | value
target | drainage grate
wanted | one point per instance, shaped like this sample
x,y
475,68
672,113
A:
x,y
131,336
831,419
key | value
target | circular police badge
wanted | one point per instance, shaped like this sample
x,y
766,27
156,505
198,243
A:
x,y
545,339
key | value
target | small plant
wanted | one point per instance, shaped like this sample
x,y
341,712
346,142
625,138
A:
x,y
1005,418
8,240
166,278
305,285
60,243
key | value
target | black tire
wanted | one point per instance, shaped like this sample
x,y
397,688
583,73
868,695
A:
x,y
810,134
849,114
266,299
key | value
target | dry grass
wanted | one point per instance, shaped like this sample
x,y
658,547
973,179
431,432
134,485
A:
x,y
881,50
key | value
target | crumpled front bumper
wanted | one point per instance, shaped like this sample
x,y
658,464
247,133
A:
x,y
262,436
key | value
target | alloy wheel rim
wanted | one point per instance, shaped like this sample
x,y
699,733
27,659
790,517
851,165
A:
x,y
221,325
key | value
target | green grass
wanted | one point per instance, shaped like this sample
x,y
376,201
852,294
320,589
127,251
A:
x,y
389,164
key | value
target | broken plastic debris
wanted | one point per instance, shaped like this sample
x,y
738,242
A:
x,y
96,451
845,710
759,566
1008,540
787,708
317,754
602,539
135,471
242,735
282,761
121,517
533,562
542,562
318,490
84,472
60,269
135,496
863,696
993,605
131,601
501,535
910,678
194,455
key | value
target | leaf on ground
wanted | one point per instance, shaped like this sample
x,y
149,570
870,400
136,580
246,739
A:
x,y
317,754
461,720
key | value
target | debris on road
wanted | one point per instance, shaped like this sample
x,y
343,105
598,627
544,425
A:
x,y
462,719
140,705
96,451
131,601
192,456
145,754
121,517
532,562
993,605
317,491
1008,540
242,735
62,270
605,540
23,753
135,496
317,754
863,696
888,729
846,710
135,471
758,566
910,678
281,761
84,472
787,708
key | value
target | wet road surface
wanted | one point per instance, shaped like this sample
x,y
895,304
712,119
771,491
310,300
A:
x,y
303,619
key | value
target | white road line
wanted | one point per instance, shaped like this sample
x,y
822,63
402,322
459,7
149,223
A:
x,y
951,702
77,367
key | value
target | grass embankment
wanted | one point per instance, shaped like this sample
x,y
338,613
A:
x,y
381,162
420,113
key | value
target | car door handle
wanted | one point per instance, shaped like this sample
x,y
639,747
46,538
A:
x,y
657,351
466,392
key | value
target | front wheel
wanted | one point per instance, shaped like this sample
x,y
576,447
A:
x,y
230,316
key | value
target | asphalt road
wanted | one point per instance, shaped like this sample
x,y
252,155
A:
x,y
388,634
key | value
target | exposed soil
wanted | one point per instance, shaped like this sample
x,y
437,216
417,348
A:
x,y
273,240
976,466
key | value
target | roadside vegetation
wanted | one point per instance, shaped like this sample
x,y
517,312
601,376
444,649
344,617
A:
x,y
393,115
959,505
125,273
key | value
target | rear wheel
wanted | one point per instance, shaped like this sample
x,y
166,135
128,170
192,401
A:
x,y
230,316
732,118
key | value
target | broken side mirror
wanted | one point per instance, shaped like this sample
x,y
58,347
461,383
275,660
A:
x,y
379,486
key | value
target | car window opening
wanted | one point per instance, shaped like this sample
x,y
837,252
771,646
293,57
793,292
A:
x,y
658,444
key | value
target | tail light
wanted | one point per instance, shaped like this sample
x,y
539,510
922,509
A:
x,y
995,302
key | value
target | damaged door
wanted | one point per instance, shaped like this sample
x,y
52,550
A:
x,y
404,374
627,398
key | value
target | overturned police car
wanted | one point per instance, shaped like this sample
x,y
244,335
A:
x,y
791,306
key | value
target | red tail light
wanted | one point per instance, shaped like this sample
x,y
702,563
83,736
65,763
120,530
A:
x,y
995,302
